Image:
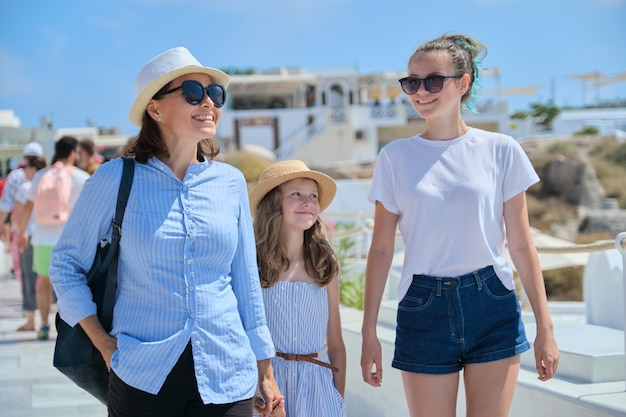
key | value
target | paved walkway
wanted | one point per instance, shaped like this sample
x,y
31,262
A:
x,y
29,384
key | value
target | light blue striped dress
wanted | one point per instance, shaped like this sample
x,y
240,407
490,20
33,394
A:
x,y
297,316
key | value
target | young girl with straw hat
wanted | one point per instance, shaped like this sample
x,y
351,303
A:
x,y
298,271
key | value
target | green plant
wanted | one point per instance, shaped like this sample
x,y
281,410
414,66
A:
x,y
352,292
544,115
587,130
344,246
351,285
520,115
565,148
619,156
608,157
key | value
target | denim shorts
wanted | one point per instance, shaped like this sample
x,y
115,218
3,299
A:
x,y
444,323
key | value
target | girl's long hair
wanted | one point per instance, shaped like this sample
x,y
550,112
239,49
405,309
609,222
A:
x,y
319,257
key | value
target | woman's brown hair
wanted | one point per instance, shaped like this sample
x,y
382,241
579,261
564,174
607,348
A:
x,y
149,143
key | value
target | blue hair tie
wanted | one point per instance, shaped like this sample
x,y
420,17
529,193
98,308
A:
x,y
470,104
477,63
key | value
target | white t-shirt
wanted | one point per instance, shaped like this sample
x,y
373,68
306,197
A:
x,y
48,235
450,198
14,180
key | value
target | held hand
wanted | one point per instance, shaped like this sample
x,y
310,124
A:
x,y
270,403
371,361
259,405
277,409
546,355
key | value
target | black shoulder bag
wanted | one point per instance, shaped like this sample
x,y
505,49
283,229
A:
x,y
74,354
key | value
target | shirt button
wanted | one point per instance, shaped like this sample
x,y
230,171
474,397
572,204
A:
x,y
200,372
191,288
197,343
188,261
191,235
192,315
187,211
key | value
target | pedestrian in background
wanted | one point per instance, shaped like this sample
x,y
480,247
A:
x,y
15,179
86,156
51,197
32,164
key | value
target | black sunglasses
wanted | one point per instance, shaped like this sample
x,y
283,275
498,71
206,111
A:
x,y
194,92
432,83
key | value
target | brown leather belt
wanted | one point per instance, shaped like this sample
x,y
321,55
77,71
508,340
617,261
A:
x,y
310,357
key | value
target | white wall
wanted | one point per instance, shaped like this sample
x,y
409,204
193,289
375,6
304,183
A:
x,y
352,197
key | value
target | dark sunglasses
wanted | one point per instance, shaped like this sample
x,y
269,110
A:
x,y
194,92
432,83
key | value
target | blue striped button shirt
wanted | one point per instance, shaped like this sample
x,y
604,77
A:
x,y
187,273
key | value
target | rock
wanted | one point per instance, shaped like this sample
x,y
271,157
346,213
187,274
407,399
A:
x,y
612,221
575,181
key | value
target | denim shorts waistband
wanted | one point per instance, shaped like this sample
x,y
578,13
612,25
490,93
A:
x,y
461,280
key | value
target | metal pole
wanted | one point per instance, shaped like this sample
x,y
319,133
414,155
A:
x,y
622,250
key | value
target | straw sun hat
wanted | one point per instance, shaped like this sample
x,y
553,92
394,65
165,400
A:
x,y
162,69
281,172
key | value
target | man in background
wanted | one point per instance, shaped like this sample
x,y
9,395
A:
x,y
46,235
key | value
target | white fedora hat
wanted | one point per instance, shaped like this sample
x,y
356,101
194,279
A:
x,y
162,69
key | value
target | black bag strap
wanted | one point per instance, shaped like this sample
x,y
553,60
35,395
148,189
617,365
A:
x,y
110,262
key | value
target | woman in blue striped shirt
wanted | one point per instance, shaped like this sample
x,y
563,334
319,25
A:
x,y
298,271
189,335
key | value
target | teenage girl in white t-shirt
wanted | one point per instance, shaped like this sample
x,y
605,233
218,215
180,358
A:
x,y
456,193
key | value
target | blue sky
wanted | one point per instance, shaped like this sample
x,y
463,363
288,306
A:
x,y
75,60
